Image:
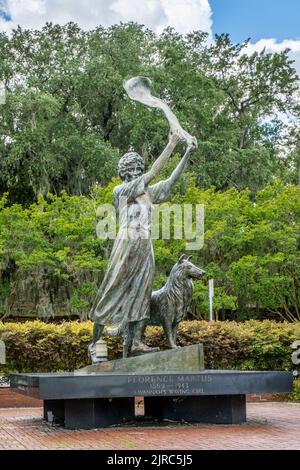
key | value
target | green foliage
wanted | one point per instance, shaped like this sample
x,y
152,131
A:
x,y
251,249
253,345
4,294
222,301
67,118
82,297
296,394
50,251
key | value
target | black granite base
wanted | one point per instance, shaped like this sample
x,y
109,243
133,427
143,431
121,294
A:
x,y
89,413
104,412
216,409
105,399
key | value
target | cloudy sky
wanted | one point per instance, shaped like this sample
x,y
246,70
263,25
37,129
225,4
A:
x,y
273,24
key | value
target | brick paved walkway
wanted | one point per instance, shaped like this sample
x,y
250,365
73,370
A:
x,y
270,426
8,399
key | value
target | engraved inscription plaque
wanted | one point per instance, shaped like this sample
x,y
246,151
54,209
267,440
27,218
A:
x,y
165,385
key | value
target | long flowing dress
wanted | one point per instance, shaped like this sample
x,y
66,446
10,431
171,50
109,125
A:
x,y
124,295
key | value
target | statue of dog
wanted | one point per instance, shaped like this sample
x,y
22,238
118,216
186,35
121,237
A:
x,y
169,305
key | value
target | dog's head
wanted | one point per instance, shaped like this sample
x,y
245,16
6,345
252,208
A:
x,y
185,268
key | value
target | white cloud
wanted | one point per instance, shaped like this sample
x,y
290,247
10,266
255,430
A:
x,y
271,45
150,12
183,15
188,15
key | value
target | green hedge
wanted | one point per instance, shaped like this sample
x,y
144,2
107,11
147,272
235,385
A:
x,y
296,394
253,345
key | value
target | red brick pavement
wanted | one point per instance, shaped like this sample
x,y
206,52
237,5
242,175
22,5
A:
x,y
269,426
9,399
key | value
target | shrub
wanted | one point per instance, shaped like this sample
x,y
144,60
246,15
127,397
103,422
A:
x,y
296,394
253,345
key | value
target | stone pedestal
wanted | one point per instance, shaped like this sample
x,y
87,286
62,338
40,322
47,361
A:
x,y
189,358
103,399
215,409
89,413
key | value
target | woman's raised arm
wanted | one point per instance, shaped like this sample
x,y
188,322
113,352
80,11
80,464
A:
x,y
162,160
174,177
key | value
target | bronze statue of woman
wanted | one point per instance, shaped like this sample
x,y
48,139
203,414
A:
x,y
124,295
